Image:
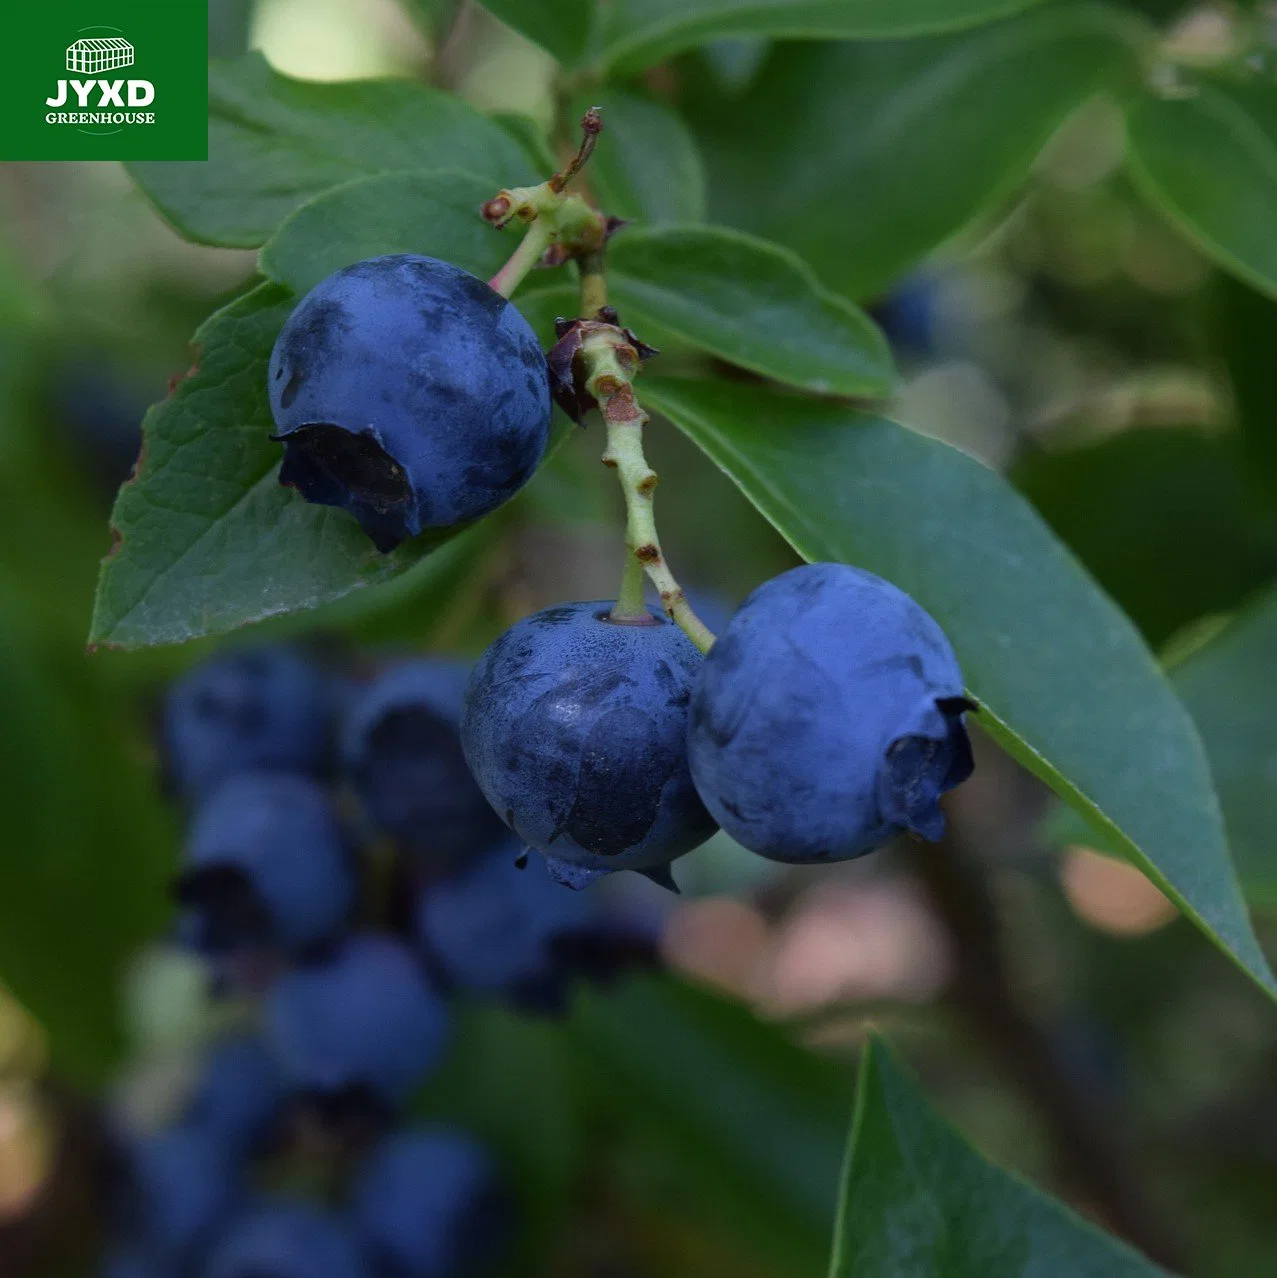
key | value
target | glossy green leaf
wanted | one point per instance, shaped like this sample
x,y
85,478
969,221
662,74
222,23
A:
x,y
633,34
542,306
418,608
560,27
646,165
229,27
748,302
866,157
917,1201
1230,687
1209,162
531,137
734,61
1120,502
1064,681
373,216
751,1121
275,142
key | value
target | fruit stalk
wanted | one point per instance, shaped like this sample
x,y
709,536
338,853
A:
x,y
609,358
531,248
610,363
593,286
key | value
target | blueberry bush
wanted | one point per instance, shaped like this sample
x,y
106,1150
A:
x,y
448,921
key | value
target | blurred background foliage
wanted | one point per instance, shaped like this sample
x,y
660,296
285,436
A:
x,y
1048,321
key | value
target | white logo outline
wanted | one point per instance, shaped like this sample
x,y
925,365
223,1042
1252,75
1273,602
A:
x,y
93,54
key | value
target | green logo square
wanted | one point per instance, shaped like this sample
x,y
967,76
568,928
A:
x,y
106,80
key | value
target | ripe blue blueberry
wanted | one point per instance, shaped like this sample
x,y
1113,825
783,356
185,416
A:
x,y
409,393
401,750
492,927
265,866
261,708
362,1024
239,1092
180,1185
829,717
427,1204
575,727
284,1239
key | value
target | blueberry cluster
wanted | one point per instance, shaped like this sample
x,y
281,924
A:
x,y
828,717
342,876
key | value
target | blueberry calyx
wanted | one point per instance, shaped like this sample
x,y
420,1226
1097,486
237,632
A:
x,y
330,466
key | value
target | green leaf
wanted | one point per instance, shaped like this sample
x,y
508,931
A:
x,y
634,34
542,306
1120,502
750,1119
919,1202
646,164
875,154
1209,163
275,142
560,27
750,303
418,608
1064,682
734,61
433,18
418,212
1230,687
531,138
229,27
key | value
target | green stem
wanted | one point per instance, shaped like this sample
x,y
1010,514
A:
x,y
625,420
630,604
610,361
593,284
531,249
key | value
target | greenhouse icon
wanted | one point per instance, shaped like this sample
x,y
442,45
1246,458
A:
x,y
99,54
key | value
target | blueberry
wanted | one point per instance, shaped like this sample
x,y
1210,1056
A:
x,y
179,1185
908,315
239,1092
427,1204
283,1239
829,717
410,394
401,749
266,865
575,727
492,927
261,708
362,1024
